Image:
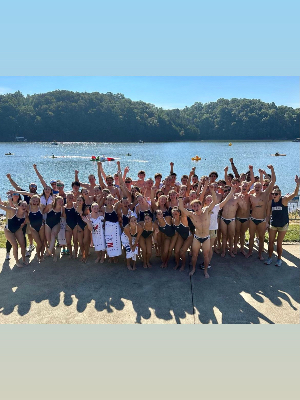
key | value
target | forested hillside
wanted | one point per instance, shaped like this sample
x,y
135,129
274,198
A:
x,y
72,116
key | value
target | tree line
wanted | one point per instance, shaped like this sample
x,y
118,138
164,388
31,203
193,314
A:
x,y
97,117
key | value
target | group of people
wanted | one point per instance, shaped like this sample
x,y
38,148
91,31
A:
x,y
119,214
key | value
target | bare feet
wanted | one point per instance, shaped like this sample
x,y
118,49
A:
x,y
261,258
248,255
235,251
145,266
217,251
232,255
54,258
176,266
25,262
182,268
223,254
49,252
102,260
97,260
20,265
162,265
116,260
149,265
192,272
206,274
129,267
243,252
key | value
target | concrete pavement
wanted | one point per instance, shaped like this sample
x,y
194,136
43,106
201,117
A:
x,y
242,291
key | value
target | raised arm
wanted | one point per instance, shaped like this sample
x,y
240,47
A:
x,y
100,169
183,210
188,186
228,197
252,180
126,170
288,196
171,167
13,183
226,176
273,180
22,192
44,184
3,207
203,191
214,198
234,169
153,204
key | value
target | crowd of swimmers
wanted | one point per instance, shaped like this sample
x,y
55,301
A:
x,y
120,215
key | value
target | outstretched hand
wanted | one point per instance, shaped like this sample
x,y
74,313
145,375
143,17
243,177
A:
x,y
226,169
270,166
297,180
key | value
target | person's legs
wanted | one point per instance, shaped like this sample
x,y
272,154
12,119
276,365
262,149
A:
x,y
280,237
244,228
8,248
21,239
272,236
261,230
37,239
178,244
149,250
195,251
69,234
212,242
223,227
12,240
237,235
231,232
187,243
142,243
252,230
205,251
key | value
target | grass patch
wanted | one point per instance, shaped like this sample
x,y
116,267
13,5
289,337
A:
x,y
2,239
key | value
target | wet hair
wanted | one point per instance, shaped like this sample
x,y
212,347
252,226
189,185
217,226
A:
x,y
75,183
55,201
51,192
35,196
213,173
196,201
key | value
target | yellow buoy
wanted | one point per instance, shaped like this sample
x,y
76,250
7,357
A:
x,y
196,158
230,144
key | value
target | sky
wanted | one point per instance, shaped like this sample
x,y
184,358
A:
x,y
166,92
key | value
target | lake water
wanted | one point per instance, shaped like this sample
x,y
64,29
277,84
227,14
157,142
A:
x,y
151,157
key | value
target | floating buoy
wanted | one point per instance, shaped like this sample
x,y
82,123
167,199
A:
x,y
196,158
230,144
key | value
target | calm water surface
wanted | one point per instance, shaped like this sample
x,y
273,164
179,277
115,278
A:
x,y
152,157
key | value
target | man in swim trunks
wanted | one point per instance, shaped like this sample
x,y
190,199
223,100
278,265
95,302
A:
x,y
200,217
227,223
89,186
141,181
259,201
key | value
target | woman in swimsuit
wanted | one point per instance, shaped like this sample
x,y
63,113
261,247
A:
x,y
142,207
52,227
172,200
168,237
279,223
149,228
84,234
184,237
13,230
71,225
95,222
124,211
112,230
37,225
13,201
130,240
87,198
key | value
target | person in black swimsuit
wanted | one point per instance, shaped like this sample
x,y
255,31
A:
x,y
71,225
279,223
168,235
52,226
184,237
36,222
84,234
149,228
13,230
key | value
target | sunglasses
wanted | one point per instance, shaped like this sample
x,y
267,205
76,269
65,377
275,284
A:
x,y
33,186
275,194
265,184
53,183
15,194
226,191
60,185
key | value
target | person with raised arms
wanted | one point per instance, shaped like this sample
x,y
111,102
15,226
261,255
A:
x,y
95,222
89,186
279,223
109,182
112,230
13,229
83,233
71,225
184,237
259,201
168,236
37,225
52,227
200,217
